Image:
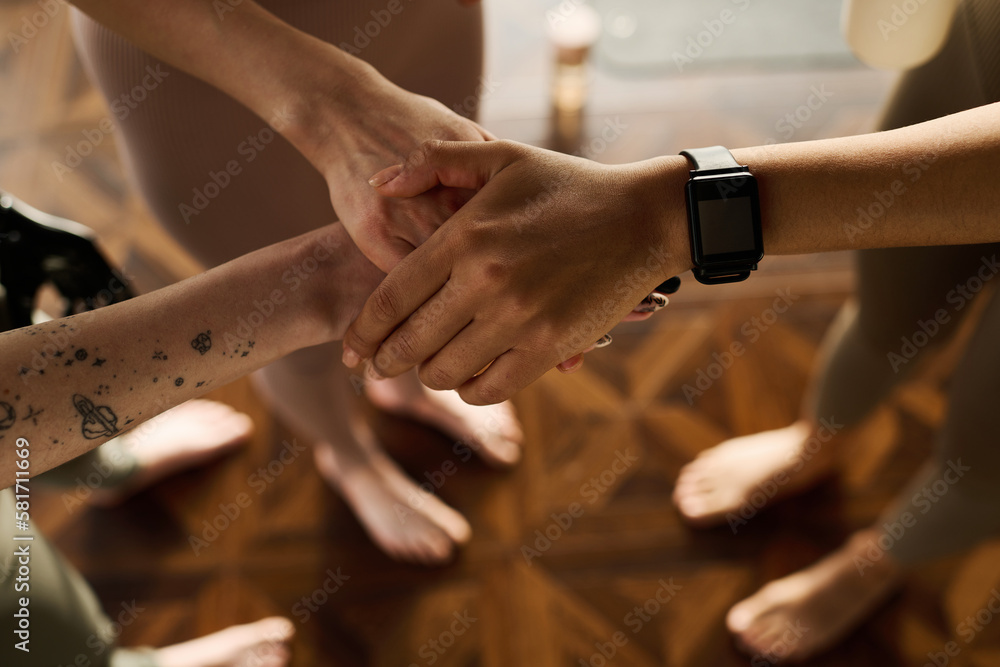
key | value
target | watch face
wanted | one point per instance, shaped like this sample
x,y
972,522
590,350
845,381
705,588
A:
x,y
725,219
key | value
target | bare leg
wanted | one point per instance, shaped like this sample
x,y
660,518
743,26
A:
x,y
190,435
807,612
747,473
492,430
186,130
262,644
312,391
953,503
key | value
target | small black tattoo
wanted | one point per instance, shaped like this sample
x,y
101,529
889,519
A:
x,y
98,362
81,355
58,354
202,342
158,354
32,415
178,382
69,362
98,422
7,416
200,383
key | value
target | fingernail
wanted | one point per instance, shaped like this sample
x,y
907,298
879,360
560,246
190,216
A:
x,y
372,373
570,365
350,358
385,175
669,286
659,300
652,303
603,341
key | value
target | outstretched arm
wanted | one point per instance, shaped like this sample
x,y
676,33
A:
x,y
554,250
340,113
72,383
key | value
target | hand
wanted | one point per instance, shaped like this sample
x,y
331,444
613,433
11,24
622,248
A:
x,y
359,131
652,303
549,255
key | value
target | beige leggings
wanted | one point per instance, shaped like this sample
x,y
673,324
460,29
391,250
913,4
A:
x,y
180,133
910,300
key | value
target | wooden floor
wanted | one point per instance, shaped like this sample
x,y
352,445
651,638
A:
x,y
610,439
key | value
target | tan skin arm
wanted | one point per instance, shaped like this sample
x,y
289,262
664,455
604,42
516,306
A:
x,y
72,383
553,250
340,113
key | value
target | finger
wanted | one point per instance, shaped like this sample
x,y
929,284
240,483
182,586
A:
x,y
509,373
637,317
669,286
388,254
424,333
652,303
487,135
571,365
469,353
459,164
414,280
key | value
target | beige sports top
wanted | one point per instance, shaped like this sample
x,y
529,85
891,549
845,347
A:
x,y
896,34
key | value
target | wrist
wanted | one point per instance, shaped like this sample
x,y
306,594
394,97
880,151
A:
x,y
659,185
301,86
321,102
328,280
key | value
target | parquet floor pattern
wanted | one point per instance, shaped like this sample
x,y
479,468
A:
x,y
578,545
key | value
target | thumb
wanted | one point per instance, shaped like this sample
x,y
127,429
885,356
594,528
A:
x,y
457,164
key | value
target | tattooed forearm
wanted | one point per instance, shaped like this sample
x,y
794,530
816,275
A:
x,y
7,415
32,414
98,422
202,342
83,379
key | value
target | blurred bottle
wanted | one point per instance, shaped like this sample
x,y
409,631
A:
x,y
896,34
573,29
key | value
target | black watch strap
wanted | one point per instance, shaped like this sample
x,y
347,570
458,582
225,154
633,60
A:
x,y
712,159
709,161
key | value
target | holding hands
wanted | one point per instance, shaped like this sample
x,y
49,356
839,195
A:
x,y
386,122
551,253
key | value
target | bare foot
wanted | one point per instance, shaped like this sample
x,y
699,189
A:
x,y
732,481
809,611
260,644
491,430
408,522
189,435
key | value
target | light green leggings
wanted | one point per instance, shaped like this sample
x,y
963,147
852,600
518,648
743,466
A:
x,y
909,301
65,622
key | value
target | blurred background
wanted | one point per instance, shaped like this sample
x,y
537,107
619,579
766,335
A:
x,y
628,81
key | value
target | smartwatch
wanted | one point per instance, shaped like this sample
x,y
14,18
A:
x,y
723,216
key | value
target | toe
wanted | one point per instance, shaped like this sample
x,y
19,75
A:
x,y
503,451
276,628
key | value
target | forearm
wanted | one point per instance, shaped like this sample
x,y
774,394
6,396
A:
x,y
75,382
277,71
927,184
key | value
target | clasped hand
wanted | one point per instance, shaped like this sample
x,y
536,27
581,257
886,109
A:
x,y
550,254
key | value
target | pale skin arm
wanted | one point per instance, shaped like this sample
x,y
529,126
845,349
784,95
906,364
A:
x,y
340,113
72,383
553,250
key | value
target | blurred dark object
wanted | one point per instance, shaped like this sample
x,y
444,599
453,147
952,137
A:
x,y
37,248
